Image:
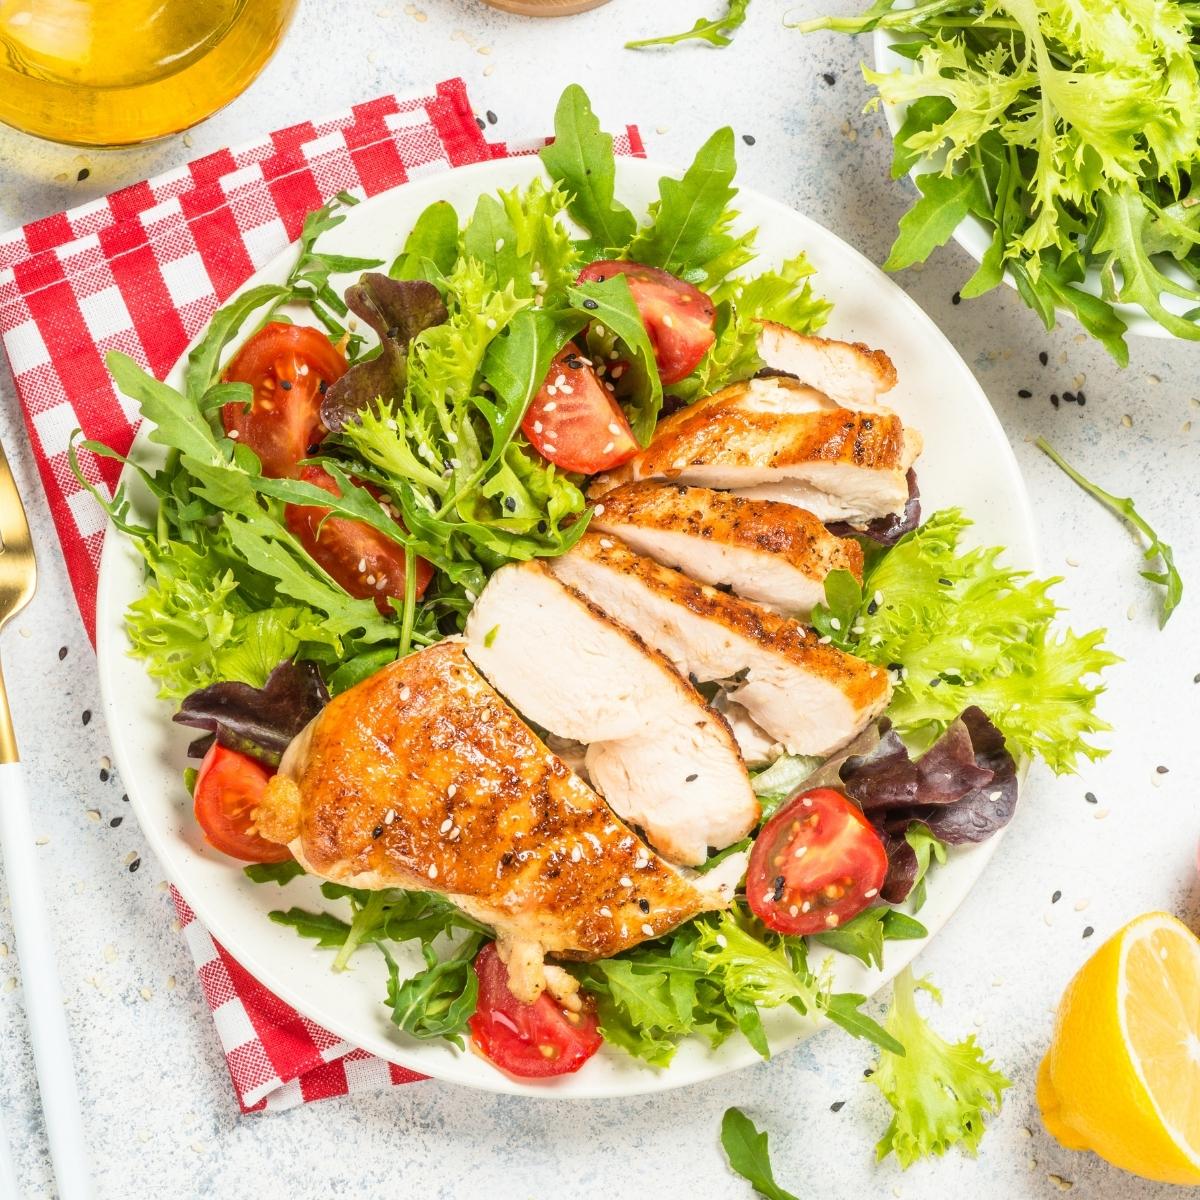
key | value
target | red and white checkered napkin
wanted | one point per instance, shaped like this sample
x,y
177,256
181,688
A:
x,y
142,271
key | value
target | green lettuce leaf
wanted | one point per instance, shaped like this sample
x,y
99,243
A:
x,y
940,1093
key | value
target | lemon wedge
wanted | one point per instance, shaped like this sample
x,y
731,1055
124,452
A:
x,y
1122,1076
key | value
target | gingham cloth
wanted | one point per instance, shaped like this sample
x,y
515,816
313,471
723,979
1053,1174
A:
x,y
142,271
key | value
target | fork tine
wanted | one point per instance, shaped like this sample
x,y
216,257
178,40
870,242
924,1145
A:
x,y
14,525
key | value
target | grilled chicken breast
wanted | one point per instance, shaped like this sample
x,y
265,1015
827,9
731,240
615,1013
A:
x,y
812,698
776,554
849,373
777,439
659,755
421,777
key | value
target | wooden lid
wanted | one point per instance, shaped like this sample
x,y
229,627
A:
x,y
545,8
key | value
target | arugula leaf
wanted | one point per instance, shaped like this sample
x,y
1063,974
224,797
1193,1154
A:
x,y
689,231
581,159
431,248
278,873
749,1155
945,201
863,936
845,1010
1123,507
610,303
940,1092
439,1001
203,365
716,31
970,631
328,931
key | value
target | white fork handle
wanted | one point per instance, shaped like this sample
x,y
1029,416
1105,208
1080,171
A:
x,y
43,996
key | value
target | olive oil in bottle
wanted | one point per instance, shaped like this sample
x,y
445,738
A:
x,y
114,72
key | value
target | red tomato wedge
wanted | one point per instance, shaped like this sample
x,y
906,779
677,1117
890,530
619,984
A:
x,y
816,864
229,787
531,1041
367,564
678,317
575,422
288,367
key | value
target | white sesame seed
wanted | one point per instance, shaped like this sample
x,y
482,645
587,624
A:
x,y
610,387
872,893
499,245
666,320
567,389
613,355
768,897
995,795
491,322
835,623
560,380
679,464
606,544
551,390
432,870
576,853
452,791
370,580
598,511
824,641
549,406
648,930
878,598
454,834
405,692
380,584
537,427
233,435
600,330
447,825
800,852
625,881
805,906
722,940
389,816
618,371
614,428
605,911
832,920
609,447
392,424
807,802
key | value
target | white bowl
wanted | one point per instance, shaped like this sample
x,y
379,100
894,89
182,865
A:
x,y
973,236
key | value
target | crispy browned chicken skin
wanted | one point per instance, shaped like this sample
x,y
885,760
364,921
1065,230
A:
x,y
423,778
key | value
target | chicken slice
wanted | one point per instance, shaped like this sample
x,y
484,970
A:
x,y
776,554
758,748
656,752
421,777
813,698
849,373
776,439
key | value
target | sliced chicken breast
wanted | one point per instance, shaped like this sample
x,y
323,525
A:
x,y
812,698
659,755
849,373
422,777
777,439
758,747
776,554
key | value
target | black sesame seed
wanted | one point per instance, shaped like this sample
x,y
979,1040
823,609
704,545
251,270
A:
x,y
510,503
103,774
837,1106
377,831
1161,770
1090,797
1088,931
394,332
84,172
1056,898
1080,398
323,387
590,304
934,682
778,888
479,121
1069,397
829,77
872,608
956,298
115,822
87,716
868,1072
62,653
1043,358
133,866
944,581
1024,393
1196,678
895,666
286,384
124,799
644,904
574,363
1054,399
691,779
749,139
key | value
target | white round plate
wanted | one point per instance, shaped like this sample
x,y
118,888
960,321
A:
x,y
973,236
967,462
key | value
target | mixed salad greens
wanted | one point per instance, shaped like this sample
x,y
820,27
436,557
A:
x,y
1071,131
431,470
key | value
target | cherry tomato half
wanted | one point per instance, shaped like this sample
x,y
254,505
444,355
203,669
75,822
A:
x,y
229,787
531,1041
816,864
367,564
286,365
575,422
678,317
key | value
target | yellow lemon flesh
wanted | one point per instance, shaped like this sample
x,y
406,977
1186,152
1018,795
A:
x,y
1122,1077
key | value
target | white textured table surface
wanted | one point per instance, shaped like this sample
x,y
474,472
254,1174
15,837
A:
x,y
159,1108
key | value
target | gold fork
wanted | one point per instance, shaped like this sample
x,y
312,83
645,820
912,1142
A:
x,y
39,975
